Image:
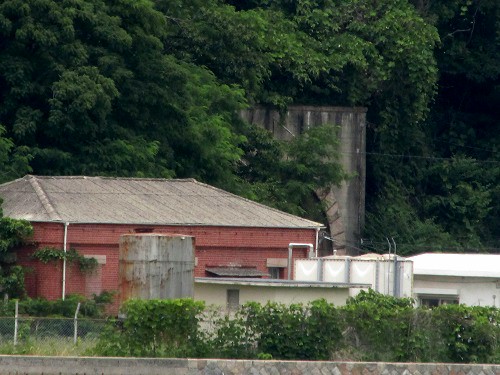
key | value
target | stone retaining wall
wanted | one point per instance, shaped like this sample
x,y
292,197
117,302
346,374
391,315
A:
x,y
30,365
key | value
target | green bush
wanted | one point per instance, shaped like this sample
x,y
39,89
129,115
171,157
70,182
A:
x,y
156,328
231,336
379,326
294,331
470,333
371,327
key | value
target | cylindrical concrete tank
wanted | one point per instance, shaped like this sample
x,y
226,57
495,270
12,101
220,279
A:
x,y
155,266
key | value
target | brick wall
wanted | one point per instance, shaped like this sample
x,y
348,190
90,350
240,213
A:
x,y
215,246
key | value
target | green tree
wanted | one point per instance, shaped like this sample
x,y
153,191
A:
x,y
311,51
446,172
287,175
14,161
355,52
87,88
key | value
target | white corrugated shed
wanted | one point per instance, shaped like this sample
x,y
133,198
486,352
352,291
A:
x,y
464,265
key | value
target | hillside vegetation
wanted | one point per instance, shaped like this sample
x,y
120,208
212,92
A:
x,y
153,89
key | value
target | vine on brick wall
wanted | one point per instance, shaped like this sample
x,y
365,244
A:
x,y
52,254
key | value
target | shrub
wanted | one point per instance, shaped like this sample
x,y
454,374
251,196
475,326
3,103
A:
x,y
156,328
379,326
294,331
470,333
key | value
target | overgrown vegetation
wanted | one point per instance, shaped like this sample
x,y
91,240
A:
x,y
13,233
153,88
371,327
51,254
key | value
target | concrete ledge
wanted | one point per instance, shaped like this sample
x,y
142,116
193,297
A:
x,y
31,365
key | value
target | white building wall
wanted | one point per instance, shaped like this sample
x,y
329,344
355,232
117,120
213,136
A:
x,y
216,294
472,291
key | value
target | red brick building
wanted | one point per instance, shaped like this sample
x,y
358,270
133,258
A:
x,y
233,236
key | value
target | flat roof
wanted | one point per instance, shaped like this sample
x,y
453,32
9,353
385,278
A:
x,y
276,283
450,264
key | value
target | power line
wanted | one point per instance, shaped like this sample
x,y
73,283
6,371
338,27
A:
x,y
435,158
369,244
471,147
431,247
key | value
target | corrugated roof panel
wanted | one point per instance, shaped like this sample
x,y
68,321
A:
x,y
80,199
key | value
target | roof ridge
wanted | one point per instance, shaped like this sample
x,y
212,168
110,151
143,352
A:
x,y
44,199
83,177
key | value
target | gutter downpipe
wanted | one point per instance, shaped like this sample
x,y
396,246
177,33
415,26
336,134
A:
x,y
317,241
396,271
291,246
65,250
389,268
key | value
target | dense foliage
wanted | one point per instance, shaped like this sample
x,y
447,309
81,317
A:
x,y
153,88
441,192
12,234
371,327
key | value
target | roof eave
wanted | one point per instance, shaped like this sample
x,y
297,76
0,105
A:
x,y
320,226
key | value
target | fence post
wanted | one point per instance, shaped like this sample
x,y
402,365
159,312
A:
x,y
75,336
16,317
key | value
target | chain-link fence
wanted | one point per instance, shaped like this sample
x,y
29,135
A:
x,y
49,335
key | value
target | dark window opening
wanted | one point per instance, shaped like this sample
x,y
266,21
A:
x,y
144,230
233,299
276,272
435,301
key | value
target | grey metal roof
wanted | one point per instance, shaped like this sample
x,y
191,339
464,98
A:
x,y
276,283
236,271
81,199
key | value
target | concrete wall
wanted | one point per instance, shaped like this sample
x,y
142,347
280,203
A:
x,y
346,204
216,294
155,266
31,365
472,291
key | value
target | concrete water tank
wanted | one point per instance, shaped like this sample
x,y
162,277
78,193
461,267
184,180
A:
x,y
156,266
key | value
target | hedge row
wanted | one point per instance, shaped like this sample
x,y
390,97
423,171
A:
x,y
370,327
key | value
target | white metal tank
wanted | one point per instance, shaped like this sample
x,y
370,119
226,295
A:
x,y
386,274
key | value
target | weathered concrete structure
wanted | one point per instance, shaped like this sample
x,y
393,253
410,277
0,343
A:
x,y
32,365
346,203
156,266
